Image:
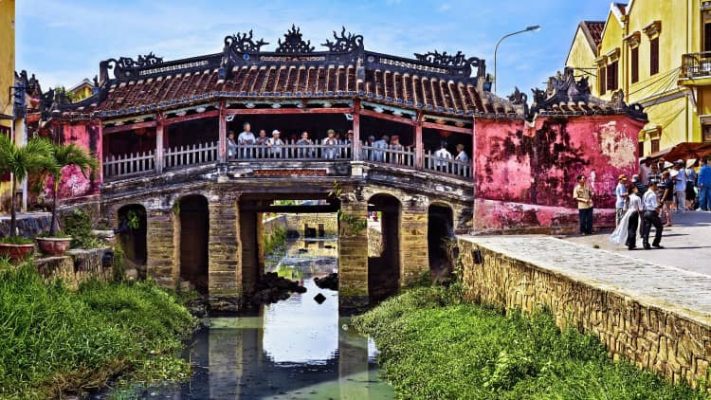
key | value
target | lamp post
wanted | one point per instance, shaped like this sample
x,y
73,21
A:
x,y
533,28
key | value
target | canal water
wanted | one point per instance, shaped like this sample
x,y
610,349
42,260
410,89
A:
x,y
294,349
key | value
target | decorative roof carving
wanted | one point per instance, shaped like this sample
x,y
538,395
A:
x,y
458,60
294,43
124,65
244,43
344,43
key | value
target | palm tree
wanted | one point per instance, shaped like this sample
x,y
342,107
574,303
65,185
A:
x,y
64,156
35,156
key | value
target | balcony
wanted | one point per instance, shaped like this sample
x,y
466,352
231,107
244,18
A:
x,y
695,66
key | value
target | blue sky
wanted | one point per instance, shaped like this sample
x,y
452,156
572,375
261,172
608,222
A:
x,y
62,41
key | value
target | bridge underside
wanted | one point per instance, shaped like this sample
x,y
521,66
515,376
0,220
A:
x,y
204,225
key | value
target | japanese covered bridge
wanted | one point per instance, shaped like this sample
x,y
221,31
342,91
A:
x,y
162,130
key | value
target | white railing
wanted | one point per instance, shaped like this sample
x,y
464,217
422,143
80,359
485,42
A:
x,y
290,151
449,166
400,156
129,164
194,154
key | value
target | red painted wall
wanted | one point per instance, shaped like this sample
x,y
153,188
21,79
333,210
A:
x,y
525,173
74,183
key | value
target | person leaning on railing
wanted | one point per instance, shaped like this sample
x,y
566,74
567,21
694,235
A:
x,y
381,145
231,145
330,143
398,147
461,154
442,156
305,142
276,145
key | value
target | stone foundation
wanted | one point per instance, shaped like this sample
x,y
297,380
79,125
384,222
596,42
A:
x,y
76,267
656,317
322,225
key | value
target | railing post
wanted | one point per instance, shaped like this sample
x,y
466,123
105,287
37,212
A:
x,y
160,132
356,143
419,146
222,143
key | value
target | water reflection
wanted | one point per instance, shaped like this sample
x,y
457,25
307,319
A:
x,y
294,349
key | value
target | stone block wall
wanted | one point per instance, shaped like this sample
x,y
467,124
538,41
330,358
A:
x,y
353,254
224,270
414,252
163,246
663,339
76,267
296,223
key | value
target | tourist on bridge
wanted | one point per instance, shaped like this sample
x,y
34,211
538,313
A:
x,y
262,138
276,145
330,144
442,155
621,198
246,137
583,195
461,154
704,183
349,137
231,145
370,142
381,145
651,218
304,142
396,145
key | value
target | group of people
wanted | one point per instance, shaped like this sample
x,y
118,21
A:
x,y
274,145
677,187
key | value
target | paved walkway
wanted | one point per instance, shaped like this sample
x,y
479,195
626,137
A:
x,y
685,292
687,244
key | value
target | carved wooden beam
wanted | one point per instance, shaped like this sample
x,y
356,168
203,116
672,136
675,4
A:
x,y
433,125
129,127
288,111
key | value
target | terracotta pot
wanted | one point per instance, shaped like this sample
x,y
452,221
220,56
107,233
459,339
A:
x,y
16,252
53,246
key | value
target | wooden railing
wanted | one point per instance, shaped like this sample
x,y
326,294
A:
x,y
696,65
290,151
449,166
126,165
206,153
400,156
195,154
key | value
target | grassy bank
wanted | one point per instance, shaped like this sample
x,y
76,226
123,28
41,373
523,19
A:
x,y
53,340
433,347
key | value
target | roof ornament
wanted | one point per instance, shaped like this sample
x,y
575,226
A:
x,y
124,65
344,43
244,43
458,60
294,43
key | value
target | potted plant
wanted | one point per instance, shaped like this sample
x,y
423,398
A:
x,y
55,242
35,156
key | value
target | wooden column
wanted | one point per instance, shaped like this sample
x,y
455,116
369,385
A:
x,y
356,145
222,144
419,146
160,133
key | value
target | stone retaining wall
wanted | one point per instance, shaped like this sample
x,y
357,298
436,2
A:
x,y
297,224
656,317
77,266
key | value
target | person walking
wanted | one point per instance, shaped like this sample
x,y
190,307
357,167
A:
x,y
621,198
626,231
666,190
651,218
704,182
583,195
691,177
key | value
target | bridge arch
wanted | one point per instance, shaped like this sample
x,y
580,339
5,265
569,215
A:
x,y
384,247
440,230
194,221
132,228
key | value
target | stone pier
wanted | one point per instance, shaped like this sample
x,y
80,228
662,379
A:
x,y
657,317
224,271
414,259
353,254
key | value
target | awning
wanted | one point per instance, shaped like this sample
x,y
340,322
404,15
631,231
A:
x,y
682,151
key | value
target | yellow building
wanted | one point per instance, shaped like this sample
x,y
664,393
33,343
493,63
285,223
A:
x,y
7,79
652,50
81,91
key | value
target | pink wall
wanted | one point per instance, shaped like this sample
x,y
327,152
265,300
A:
x,y
74,183
529,170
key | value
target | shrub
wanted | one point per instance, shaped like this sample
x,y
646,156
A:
x,y
78,225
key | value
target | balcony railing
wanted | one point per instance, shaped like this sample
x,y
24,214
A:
x,y
129,165
696,65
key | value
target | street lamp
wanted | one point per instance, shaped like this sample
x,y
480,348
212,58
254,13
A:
x,y
533,28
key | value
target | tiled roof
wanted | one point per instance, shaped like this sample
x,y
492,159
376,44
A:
x,y
434,82
594,29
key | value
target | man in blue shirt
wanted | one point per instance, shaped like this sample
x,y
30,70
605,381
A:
x,y
704,182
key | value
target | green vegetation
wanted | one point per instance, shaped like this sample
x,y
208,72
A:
x,y
434,347
79,226
53,340
16,240
274,240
